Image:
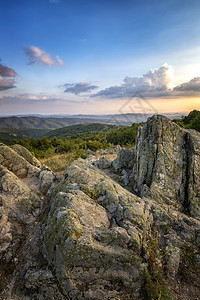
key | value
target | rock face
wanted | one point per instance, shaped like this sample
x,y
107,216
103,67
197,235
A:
x,y
88,237
20,205
97,229
167,165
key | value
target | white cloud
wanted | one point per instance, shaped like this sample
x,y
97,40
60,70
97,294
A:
x,y
154,83
37,55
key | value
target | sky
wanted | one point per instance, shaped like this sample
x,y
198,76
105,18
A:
x,y
99,56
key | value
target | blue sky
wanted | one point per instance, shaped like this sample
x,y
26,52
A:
x,y
91,56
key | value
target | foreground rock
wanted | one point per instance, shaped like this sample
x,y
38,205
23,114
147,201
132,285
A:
x,y
97,233
21,202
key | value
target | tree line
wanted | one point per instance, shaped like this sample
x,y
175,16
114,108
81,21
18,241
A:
x,y
80,144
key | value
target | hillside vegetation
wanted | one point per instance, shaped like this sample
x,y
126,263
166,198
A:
x,y
79,139
78,130
7,135
57,148
192,121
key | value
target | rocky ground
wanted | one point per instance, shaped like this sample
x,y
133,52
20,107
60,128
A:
x,y
125,227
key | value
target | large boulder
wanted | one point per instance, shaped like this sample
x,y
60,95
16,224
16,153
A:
x,y
167,166
97,233
94,231
164,165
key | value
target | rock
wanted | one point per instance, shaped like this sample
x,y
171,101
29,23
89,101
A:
x,y
102,228
35,278
20,204
18,162
124,160
173,255
78,233
45,180
166,164
19,208
26,154
103,163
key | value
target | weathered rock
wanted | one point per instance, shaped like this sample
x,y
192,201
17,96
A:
x,y
103,163
26,154
166,164
17,163
102,229
125,159
20,206
45,180
172,261
84,239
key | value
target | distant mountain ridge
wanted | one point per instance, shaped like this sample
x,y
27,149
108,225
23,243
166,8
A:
x,y
59,121
41,123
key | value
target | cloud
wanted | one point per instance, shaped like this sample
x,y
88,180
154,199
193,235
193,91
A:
x,y
191,86
7,78
32,97
78,88
154,83
6,84
60,61
37,56
6,72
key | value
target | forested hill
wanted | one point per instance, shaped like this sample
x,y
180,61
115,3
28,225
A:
x,y
42,123
79,129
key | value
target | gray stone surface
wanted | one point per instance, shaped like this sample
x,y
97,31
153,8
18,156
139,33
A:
x,y
167,165
100,230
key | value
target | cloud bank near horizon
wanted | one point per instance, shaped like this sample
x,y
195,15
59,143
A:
x,y
37,56
153,84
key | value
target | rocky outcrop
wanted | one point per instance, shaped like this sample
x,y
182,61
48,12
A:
x,y
167,166
27,155
109,229
21,202
97,234
164,165
88,236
